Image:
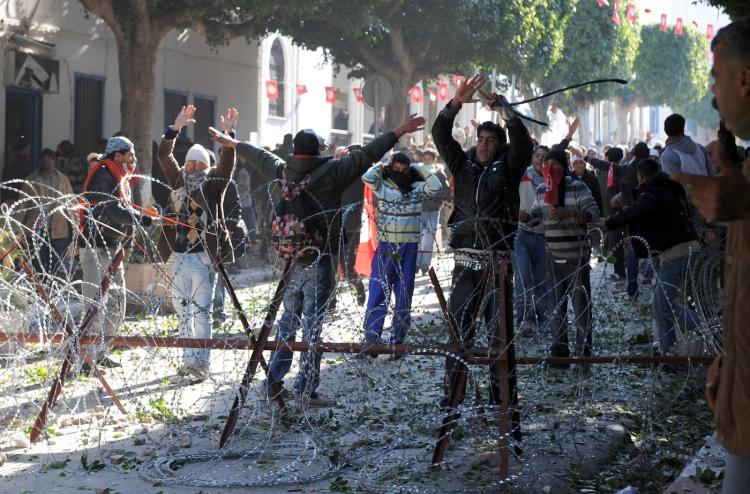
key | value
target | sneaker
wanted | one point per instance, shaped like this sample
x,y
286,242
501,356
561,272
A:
x,y
313,401
267,395
194,372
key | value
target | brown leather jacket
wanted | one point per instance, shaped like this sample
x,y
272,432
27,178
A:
x,y
218,245
732,410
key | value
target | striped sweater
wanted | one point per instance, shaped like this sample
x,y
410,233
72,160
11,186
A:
x,y
567,238
399,215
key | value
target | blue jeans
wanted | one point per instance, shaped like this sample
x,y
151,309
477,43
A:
x,y
393,270
429,230
218,301
667,306
530,254
305,303
194,281
572,279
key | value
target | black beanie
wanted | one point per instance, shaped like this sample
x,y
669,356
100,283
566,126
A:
x,y
558,155
614,154
307,142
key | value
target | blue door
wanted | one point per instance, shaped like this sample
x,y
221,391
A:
x,y
23,127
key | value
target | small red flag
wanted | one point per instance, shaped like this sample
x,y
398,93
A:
x,y
443,90
648,11
301,89
330,94
631,12
603,3
616,13
456,80
272,89
358,94
433,96
710,32
678,27
663,23
417,96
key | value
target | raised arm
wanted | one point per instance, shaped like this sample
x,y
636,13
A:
x,y
225,167
167,162
455,158
265,163
348,169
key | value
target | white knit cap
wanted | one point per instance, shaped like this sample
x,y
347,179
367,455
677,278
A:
x,y
198,153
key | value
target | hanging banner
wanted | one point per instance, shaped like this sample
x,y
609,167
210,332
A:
x,y
663,23
603,3
678,27
358,94
272,89
631,12
456,80
443,90
301,89
417,95
710,32
433,96
330,94
616,13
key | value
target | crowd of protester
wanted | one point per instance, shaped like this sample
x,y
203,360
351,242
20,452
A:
x,y
550,212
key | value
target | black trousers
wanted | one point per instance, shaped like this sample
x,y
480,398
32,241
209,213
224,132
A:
x,y
472,292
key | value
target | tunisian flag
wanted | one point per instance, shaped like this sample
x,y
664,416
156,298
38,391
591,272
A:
x,y
272,89
368,242
443,90
330,94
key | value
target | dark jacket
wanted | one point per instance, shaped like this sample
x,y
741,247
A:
x,y
661,214
331,176
593,184
486,199
209,198
113,219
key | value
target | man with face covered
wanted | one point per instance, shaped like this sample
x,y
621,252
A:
x,y
485,215
564,207
727,199
400,189
324,179
200,236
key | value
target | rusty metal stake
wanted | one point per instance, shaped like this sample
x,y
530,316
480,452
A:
x,y
57,385
257,355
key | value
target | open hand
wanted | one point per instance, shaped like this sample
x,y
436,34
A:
x,y
185,117
229,121
466,90
572,128
411,124
221,138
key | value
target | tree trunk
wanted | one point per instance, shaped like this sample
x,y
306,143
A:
x,y
585,136
137,65
395,112
622,135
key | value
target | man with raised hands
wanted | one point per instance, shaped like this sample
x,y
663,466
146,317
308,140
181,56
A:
x,y
200,236
485,214
315,183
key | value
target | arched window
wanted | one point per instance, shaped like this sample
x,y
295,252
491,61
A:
x,y
276,72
